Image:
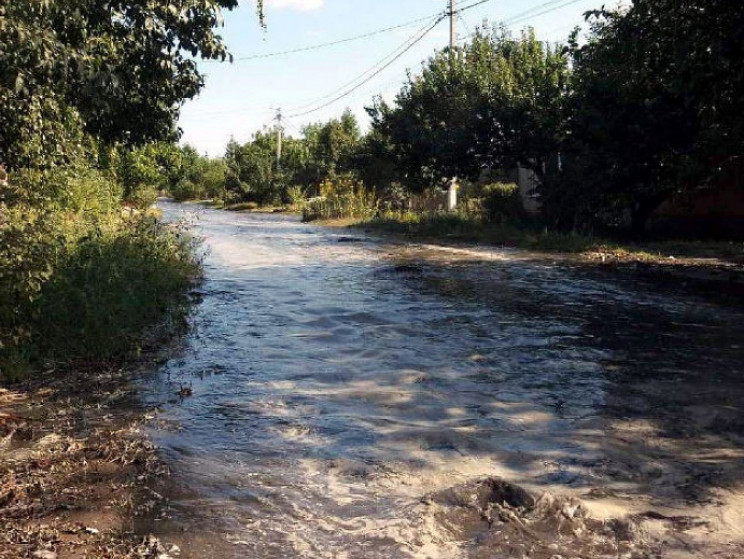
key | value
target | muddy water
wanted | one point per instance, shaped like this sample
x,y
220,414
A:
x,y
338,381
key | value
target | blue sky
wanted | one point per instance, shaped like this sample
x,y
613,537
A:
x,y
240,98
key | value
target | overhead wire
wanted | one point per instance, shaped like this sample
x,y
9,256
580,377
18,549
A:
x,y
388,61
409,44
361,76
532,13
527,15
438,16
292,125
337,42
432,21
352,38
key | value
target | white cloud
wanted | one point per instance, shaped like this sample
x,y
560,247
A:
x,y
299,5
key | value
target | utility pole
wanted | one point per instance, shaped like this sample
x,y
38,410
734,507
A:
x,y
452,191
279,133
453,26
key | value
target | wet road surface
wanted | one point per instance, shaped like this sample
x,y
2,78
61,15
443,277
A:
x,y
340,380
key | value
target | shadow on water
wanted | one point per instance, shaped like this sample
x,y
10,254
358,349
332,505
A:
x,y
672,364
337,384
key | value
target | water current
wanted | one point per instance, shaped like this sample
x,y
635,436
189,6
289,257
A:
x,y
337,380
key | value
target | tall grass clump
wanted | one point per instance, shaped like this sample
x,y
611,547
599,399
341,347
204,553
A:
x,y
341,197
118,283
81,279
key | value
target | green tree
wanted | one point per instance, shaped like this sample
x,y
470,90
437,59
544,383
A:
x,y
331,147
656,109
492,104
118,70
252,173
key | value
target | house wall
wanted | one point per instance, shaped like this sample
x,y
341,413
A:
x,y
527,182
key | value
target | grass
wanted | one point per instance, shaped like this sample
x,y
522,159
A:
x,y
91,292
455,227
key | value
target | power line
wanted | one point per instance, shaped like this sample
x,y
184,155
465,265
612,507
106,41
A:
x,y
546,7
374,75
406,46
311,103
373,72
292,125
471,6
338,42
353,38
465,24
366,72
527,15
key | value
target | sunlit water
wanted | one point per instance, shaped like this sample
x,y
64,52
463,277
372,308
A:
x,y
336,383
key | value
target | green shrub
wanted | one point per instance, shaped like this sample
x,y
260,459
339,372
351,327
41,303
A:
x,y
341,197
79,280
29,245
502,203
112,286
295,197
186,189
140,176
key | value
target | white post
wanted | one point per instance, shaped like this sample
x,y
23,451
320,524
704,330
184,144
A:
x,y
452,195
279,133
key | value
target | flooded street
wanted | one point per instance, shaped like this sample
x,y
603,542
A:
x,y
341,386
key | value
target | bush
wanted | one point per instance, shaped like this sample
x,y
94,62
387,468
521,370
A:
x,y
109,288
341,197
78,279
28,249
295,197
140,176
185,190
502,203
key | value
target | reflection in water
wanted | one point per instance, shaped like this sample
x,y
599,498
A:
x,y
336,384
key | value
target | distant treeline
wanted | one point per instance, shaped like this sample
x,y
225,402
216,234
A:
x,y
649,104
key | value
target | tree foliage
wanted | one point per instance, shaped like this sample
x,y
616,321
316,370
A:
x,y
116,70
87,88
655,109
493,103
325,151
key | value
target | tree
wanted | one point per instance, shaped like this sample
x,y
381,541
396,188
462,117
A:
x,y
330,147
117,70
494,103
656,109
252,173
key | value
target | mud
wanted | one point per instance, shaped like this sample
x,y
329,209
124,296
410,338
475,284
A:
x,y
350,397
75,468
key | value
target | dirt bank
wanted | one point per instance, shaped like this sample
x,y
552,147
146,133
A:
x,y
75,468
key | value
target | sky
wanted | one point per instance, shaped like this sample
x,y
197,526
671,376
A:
x,y
241,98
